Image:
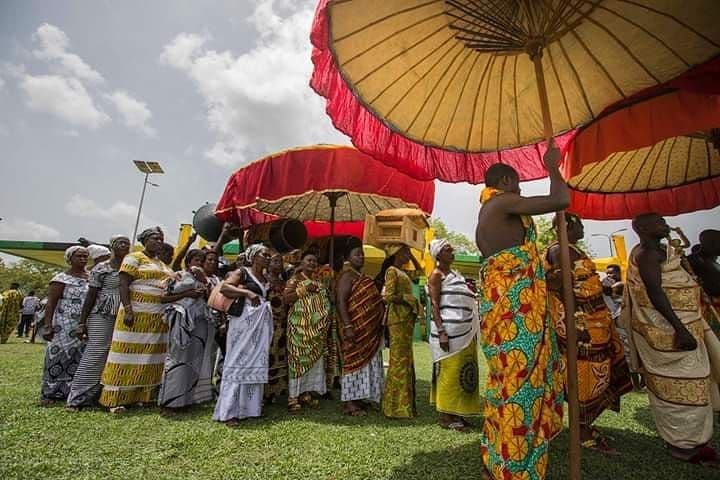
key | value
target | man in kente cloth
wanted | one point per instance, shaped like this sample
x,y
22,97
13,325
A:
x,y
524,397
603,374
663,314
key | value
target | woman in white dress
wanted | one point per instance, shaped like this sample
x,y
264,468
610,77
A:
x,y
250,329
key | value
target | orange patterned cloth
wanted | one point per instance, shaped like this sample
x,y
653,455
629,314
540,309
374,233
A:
x,y
524,397
603,374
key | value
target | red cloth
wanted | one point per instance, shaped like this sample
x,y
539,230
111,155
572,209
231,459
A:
x,y
701,195
317,168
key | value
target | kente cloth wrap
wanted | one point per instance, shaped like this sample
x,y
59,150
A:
x,y
308,324
524,391
366,310
680,386
603,374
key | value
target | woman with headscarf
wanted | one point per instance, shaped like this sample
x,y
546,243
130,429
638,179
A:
x,y
362,311
402,313
308,323
455,387
188,370
134,366
97,321
99,253
62,317
278,374
250,330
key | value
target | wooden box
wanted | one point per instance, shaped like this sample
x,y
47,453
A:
x,y
401,225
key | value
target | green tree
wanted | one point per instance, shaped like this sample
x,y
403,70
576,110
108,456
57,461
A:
x,y
460,242
29,274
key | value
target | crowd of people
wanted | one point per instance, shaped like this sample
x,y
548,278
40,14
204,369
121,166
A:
x,y
152,328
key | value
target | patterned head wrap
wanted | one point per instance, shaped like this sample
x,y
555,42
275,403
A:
x,y
252,251
436,247
72,251
116,238
148,232
393,248
97,251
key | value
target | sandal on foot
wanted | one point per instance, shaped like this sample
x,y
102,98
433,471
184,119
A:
x,y
72,409
118,410
294,406
457,426
354,411
232,423
600,445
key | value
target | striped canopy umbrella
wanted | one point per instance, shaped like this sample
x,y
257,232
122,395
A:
x,y
674,176
443,89
321,185
657,154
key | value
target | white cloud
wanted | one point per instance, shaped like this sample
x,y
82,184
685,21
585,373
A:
x,y
21,229
135,113
258,101
64,97
120,214
53,48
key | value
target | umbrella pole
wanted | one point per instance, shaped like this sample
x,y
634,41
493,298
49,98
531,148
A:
x,y
568,296
333,198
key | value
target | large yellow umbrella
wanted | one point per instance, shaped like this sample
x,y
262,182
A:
x,y
421,83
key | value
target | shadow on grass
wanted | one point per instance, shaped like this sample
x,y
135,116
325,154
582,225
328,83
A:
x,y
641,456
644,417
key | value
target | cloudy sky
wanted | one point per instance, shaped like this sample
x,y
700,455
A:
x,y
201,87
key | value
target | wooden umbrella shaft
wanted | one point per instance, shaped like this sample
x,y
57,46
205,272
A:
x,y
568,296
333,198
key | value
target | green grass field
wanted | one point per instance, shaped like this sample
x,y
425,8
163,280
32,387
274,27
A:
x,y
50,443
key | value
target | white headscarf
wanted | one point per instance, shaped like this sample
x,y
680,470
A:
x,y
436,247
117,237
72,251
252,251
97,251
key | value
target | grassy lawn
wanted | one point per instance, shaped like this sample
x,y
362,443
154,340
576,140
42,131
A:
x,y
323,444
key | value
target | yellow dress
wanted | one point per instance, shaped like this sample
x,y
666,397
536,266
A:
x,y
134,366
399,397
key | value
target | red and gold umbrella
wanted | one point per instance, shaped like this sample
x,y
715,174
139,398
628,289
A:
x,y
657,155
321,185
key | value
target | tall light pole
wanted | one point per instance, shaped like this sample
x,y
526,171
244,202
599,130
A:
x,y
147,168
609,237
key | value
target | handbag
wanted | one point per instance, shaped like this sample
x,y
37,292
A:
x,y
218,301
